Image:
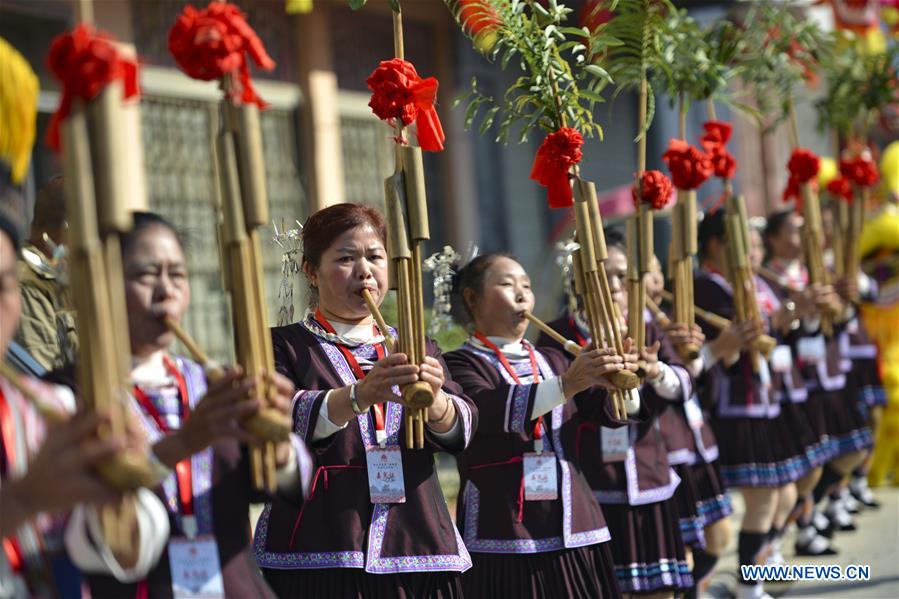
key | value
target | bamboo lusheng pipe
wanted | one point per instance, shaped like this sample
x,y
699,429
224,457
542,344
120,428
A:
x,y
763,343
213,370
240,167
593,283
690,351
739,271
570,346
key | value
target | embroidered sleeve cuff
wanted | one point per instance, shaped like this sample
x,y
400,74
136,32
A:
x,y
667,386
324,428
632,402
549,396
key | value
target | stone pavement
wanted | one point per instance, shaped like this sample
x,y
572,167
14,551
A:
x,y
875,543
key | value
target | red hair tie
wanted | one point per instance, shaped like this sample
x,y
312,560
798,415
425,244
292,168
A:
x,y
210,43
559,152
399,93
85,62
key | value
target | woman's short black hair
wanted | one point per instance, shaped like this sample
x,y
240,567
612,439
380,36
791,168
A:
x,y
471,276
711,227
146,220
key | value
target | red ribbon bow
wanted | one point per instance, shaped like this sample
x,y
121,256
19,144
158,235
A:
x,y
559,152
399,93
689,167
210,43
85,62
717,134
861,171
656,189
803,167
841,188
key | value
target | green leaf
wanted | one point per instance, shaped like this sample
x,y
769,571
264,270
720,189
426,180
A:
x,y
357,4
598,71
488,120
394,5
472,111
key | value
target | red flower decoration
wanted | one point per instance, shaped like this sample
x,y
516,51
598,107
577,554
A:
x,y
210,43
480,21
723,162
861,171
559,152
689,167
803,165
717,133
399,93
655,190
85,62
840,187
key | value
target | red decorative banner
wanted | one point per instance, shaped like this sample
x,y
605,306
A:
x,y
559,152
210,43
85,62
399,94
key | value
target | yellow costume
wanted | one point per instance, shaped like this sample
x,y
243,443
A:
x,y
880,259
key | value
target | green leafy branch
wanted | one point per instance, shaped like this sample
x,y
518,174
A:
x,y
779,52
859,86
550,93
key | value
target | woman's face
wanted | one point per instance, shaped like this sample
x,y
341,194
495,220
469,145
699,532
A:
x,y
356,260
786,244
505,295
756,249
156,286
10,300
616,270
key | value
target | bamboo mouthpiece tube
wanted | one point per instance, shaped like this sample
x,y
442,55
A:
x,y
570,346
213,369
379,319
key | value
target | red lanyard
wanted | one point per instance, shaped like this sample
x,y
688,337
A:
x,y
183,469
535,370
354,364
581,340
8,437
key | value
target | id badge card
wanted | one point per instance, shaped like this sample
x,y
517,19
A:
x,y
615,443
782,359
385,475
812,350
195,568
693,412
540,482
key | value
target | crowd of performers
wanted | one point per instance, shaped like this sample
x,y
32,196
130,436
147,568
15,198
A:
x,y
560,496
569,486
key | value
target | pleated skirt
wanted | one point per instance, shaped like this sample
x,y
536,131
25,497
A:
x,y
355,583
580,573
714,501
865,381
808,424
845,423
647,547
686,499
759,452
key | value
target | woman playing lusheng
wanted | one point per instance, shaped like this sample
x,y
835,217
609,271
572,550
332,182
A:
x,y
196,431
762,452
376,524
527,514
628,468
834,417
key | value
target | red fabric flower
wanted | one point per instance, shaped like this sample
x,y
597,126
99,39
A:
x,y
840,187
656,190
559,152
399,93
803,165
689,167
85,62
717,133
214,41
723,162
861,171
